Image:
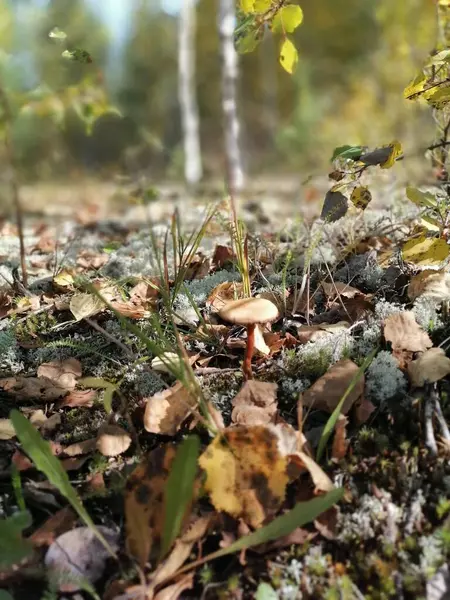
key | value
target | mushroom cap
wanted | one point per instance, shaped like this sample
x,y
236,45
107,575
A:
x,y
249,311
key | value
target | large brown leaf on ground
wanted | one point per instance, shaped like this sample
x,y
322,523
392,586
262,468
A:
x,y
40,389
144,506
404,333
255,403
144,503
430,367
246,473
328,390
63,373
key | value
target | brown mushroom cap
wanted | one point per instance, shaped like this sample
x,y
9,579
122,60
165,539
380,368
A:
x,y
249,311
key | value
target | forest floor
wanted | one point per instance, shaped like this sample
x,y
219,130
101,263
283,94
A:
x,y
116,389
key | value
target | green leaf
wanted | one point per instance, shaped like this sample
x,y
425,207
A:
x,y
265,592
329,427
288,56
99,383
302,513
247,41
13,548
4,595
287,19
40,453
440,97
347,151
179,490
423,199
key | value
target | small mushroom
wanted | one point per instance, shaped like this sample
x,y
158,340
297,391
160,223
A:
x,y
249,312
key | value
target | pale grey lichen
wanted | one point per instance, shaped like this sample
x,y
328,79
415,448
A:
x,y
427,314
11,358
384,380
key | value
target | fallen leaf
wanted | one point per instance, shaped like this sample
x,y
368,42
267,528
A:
x,y
328,390
84,447
145,293
245,473
144,503
174,591
225,292
54,526
79,554
434,285
255,403
431,366
404,333
222,255
32,388
7,431
112,440
63,373
340,442
85,305
322,483
166,411
338,288
129,309
362,410
87,259
194,533
78,398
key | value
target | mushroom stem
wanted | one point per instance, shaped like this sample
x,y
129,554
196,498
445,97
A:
x,y
247,364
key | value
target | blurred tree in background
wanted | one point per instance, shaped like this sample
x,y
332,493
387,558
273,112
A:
x,y
355,59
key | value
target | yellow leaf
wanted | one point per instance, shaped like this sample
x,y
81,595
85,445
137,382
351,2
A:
x,y
415,87
245,473
288,56
430,223
287,19
261,6
396,151
440,97
425,251
361,197
248,6
420,198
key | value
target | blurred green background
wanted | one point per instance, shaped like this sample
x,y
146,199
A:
x,y
356,57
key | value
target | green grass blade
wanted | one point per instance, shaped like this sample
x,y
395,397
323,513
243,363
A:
x,y
179,490
302,513
16,482
330,424
40,453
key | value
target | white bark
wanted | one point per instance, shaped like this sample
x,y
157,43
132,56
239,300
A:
x,y
187,93
227,19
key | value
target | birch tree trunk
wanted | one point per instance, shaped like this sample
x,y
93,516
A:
x,y
187,94
227,18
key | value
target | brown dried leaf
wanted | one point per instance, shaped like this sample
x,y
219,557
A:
x,y
340,442
166,411
430,284
128,309
112,440
338,288
79,398
53,527
362,410
84,447
431,366
39,389
404,333
87,259
222,294
144,503
63,373
7,431
222,255
255,403
327,391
